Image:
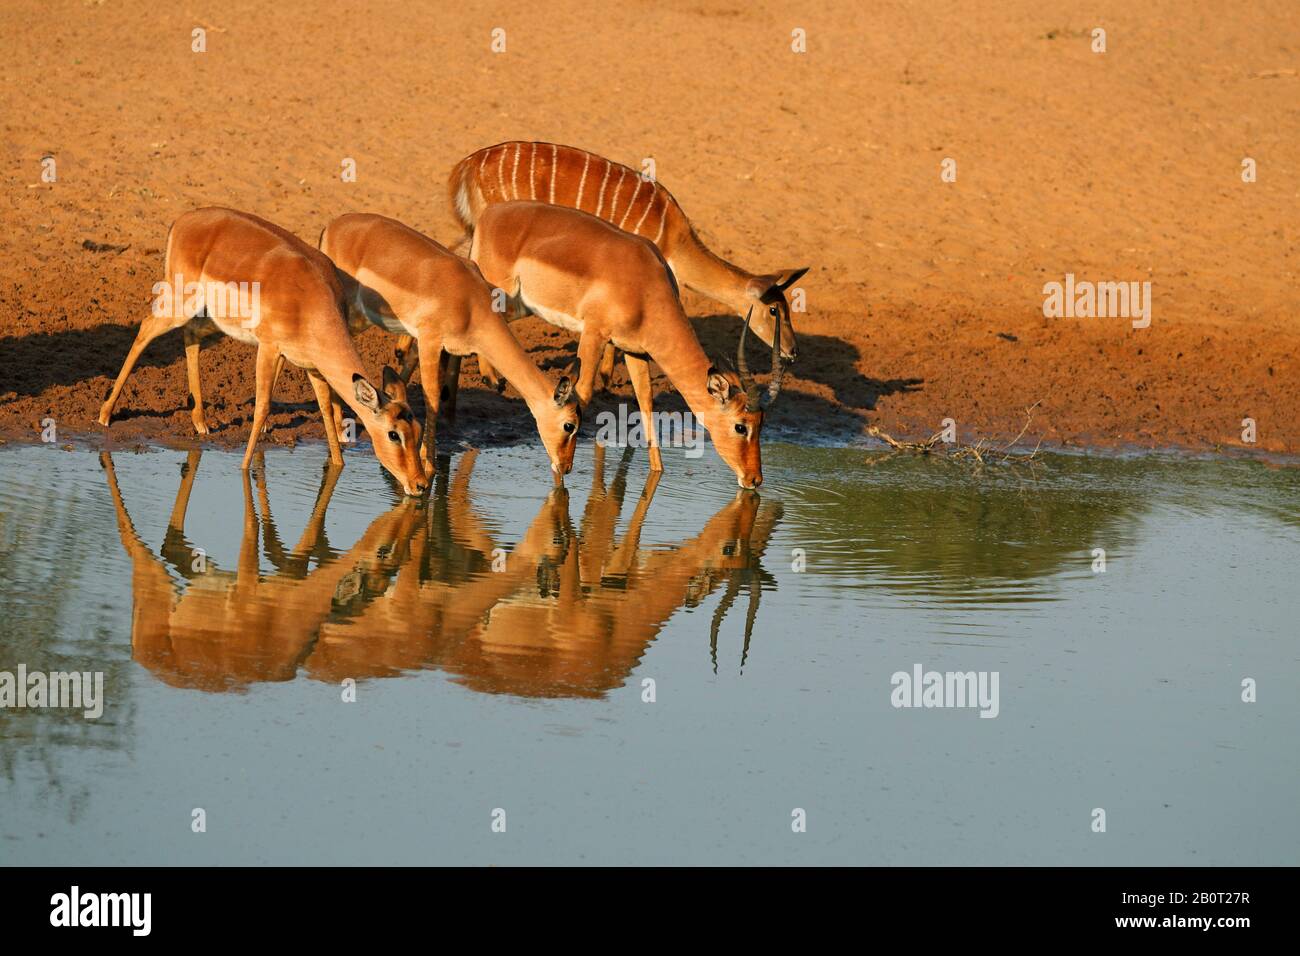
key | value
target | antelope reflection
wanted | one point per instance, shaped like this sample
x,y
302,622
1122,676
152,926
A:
x,y
565,612
227,629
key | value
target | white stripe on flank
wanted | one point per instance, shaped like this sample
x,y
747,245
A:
x,y
600,200
501,173
636,231
613,205
632,202
554,163
583,181
514,171
660,234
532,173
486,153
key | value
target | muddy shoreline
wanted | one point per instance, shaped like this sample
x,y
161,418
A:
x,y
987,399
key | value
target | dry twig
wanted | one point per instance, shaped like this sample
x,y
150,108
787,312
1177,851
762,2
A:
x,y
976,455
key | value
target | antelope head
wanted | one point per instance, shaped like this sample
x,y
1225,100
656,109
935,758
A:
x,y
768,293
557,423
737,418
393,429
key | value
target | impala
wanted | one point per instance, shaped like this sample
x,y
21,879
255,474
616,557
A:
x,y
589,277
564,175
298,317
404,282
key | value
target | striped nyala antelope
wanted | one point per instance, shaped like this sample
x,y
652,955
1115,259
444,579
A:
x,y
567,176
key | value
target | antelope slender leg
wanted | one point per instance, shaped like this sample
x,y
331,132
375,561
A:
x,y
325,399
266,359
152,327
651,483
491,377
431,382
606,373
451,375
175,549
621,560
314,542
279,367
247,567
589,348
407,357
597,471
272,546
192,373
189,471
336,413
638,370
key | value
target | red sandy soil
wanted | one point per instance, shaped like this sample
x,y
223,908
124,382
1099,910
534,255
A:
x,y
925,297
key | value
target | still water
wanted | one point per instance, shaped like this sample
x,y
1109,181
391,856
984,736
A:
x,y
632,671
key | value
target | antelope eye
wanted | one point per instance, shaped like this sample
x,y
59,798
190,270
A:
x,y
771,310
395,438
569,427
740,428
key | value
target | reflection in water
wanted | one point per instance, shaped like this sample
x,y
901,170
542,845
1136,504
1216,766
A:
x,y
48,568
923,532
564,613
909,561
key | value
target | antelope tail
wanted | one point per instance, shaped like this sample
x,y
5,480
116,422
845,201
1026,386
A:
x,y
463,191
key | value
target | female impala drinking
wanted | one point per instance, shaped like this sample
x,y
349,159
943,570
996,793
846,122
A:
x,y
589,277
298,317
404,282
623,197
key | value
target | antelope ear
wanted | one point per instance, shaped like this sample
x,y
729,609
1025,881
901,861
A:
x,y
789,277
563,390
366,394
394,387
767,287
719,386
